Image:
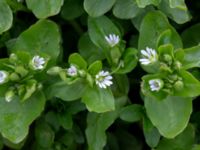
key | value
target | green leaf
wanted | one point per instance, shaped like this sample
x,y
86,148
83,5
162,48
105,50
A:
x,y
126,9
44,134
95,67
136,21
151,134
177,4
96,8
166,37
42,37
153,25
44,8
72,9
99,100
121,86
77,59
191,86
176,10
6,17
51,118
88,50
67,92
129,61
16,6
65,120
191,57
196,147
30,89
112,142
170,116
131,113
190,36
9,144
23,56
16,117
127,140
144,3
96,128
99,28
184,141
166,49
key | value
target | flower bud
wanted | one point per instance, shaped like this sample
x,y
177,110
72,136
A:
x,y
54,70
13,58
178,85
173,77
9,95
168,58
21,90
39,86
14,77
90,79
115,54
63,75
21,70
82,73
164,67
30,88
177,65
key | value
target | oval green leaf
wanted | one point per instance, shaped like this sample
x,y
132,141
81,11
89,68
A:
x,y
16,117
43,36
72,9
144,3
153,25
96,129
96,8
6,17
67,92
99,100
99,28
131,113
176,10
170,115
44,8
126,9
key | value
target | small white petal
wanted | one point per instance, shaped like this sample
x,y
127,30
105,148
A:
x,y
72,71
103,79
38,62
3,76
112,39
148,56
144,61
155,84
144,53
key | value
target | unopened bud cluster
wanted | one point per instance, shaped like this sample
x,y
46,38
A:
x,y
20,76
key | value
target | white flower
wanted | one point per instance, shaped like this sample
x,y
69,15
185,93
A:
x,y
156,84
112,39
103,79
72,71
38,62
3,76
149,56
